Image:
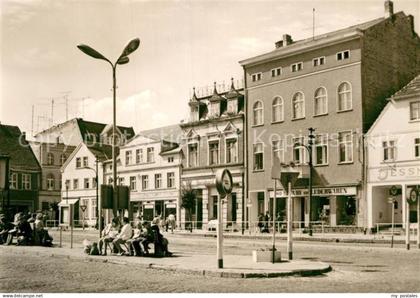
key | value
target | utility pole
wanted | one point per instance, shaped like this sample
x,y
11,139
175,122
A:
x,y
52,111
32,120
311,138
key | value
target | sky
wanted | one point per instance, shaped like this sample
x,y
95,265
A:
x,y
184,43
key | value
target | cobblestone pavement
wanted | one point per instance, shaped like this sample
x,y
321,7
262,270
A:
x,y
356,268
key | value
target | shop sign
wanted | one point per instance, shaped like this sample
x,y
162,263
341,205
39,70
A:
x,y
149,206
395,173
171,205
325,191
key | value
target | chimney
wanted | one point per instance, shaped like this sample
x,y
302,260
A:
x,y
287,40
389,9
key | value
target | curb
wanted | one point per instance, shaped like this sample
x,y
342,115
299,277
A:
x,y
171,268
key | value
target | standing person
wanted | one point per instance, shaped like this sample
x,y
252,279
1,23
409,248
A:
x,y
266,222
123,236
171,222
260,222
5,227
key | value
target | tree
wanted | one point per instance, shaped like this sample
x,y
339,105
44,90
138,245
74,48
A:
x,y
188,200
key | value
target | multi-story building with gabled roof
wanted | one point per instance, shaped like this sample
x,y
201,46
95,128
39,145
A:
x,y
213,139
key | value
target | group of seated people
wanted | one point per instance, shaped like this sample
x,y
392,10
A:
x,y
124,240
27,228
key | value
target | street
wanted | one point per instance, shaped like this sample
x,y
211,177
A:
x,y
356,268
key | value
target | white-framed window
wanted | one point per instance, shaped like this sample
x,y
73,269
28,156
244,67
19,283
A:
x,y
85,162
231,150
170,159
121,181
258,156
86,183
389,150
275,72
50,159
318,61
277,109
26,181
193,155
213,152
133,183
278,149
75,183
94,182
14,181
345,147
128,157
63,158
150,154
67,184
256,76
297,66
93,209
417,147
139,155
344,97
50,182
258,113
321,150
415,110
144,182
299,151
343,55
158,181
78,162
320,102
298,106
170,179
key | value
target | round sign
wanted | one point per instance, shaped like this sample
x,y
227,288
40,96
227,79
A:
x,y
412,199
224,182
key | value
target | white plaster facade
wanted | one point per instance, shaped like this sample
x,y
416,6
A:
x,y
393,160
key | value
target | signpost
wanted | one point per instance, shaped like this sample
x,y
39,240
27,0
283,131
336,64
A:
x,y
224,185
288,176
411,200
83,208
392,201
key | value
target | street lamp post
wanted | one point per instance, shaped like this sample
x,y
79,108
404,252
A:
x,y
98,207
308,147
310,144
123,59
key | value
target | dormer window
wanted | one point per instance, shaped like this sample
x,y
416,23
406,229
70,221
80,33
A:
x,y
256,77
232,106
215,109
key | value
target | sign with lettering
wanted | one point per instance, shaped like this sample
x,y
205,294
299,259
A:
x,y
320,192
394,172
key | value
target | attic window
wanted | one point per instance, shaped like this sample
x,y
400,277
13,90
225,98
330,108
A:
x,y
297,67
276,72
343,55
256,76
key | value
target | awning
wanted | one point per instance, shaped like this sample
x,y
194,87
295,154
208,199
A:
x,y
67,202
